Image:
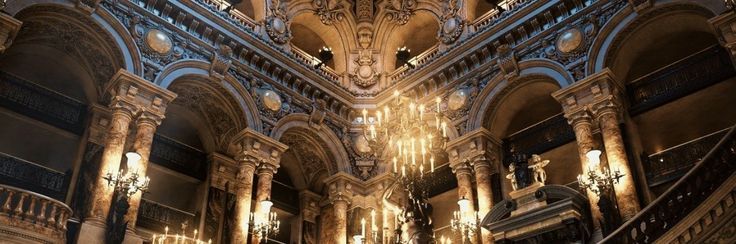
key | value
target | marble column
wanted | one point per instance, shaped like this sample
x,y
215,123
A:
x,y
254,149
265,174
482,168
464,174
122,114
340,205
582,125
607,114
146,127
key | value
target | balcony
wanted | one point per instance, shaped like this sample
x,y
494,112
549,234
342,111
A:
x,y
27,217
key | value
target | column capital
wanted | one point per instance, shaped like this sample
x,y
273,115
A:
x,y
476,147
252,146
309,205
598,88
725,27
342,187
100,117
223,169
9,28
129,91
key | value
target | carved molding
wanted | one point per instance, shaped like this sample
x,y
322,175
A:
x,y
256,147
131,89
474,146
328,15
403,13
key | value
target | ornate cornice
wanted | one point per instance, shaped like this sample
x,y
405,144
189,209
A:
x,y
478,145
251,146
133,90
590,97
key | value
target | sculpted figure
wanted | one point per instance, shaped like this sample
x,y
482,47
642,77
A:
x,y
512,176
536,164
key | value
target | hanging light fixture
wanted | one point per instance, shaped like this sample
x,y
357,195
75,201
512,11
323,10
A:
x,y
413,144
464,221
599,179
265,224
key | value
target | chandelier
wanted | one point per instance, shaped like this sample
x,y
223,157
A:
x,y
464,221
128,181
177,238
265,224
401,134
361,238
598,180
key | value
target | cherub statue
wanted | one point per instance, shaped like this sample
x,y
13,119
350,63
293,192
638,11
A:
x,y
536,164
512,176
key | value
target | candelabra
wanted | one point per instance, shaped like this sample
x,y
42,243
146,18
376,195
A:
x,y
600,180
597,180
178,238
265,224
360,239
125,183
464,222
413,144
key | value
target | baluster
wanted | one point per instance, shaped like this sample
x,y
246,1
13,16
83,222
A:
x,y
21,201
42,214
61,224
51,220
31,208
6,205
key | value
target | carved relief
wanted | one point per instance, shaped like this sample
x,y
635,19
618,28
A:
x,y
452,24
365,74
400,11
277,23
328,12
220,122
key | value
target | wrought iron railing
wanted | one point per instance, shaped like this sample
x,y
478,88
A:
x,y
541,137
178,157
38,102
156,216
674,162
33,177
682,198
693,73
24,212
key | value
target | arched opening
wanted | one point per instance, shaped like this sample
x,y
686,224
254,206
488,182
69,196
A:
x,y
417,35
672,65
310,35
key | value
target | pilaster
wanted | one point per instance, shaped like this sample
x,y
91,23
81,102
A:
x,y
725,28
9,28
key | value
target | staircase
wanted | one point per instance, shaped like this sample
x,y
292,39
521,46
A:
x,y
699,208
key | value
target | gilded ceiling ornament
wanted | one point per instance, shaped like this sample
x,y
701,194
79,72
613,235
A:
x,y
277,23
452,24
400,11
328,14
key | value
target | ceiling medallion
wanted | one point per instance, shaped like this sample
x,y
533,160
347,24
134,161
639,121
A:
x,y
158,41
277,24
271,100
452,24
569,40
457,99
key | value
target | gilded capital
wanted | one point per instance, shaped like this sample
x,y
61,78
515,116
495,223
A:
x,y
129,91
475,147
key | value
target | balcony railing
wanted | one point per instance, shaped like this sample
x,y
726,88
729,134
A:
x,y
28,217
27,175
682,198
156,216
674,162
541,137
679,79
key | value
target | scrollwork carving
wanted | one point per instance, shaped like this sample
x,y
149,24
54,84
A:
x,y
328,14
452,24
277,23
402,13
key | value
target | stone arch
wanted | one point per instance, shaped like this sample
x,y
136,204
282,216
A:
x,y
234,92
419,34
327,145
498,87
103,20
310,34
90,46
627,25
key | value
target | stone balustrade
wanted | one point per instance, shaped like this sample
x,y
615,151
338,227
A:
x,y
27,217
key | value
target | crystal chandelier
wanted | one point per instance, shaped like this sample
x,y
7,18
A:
x,y
178,238
598,179
412,143
128,181
264,224
464,221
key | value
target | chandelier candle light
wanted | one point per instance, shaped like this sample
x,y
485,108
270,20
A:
x,y
598,179
167,238
464,221
265,223
128,181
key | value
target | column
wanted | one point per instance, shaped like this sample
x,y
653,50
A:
x,y
464,174
265,174
243,194
146,127
340,205
122,114
254,149
607,114
582,125
482,168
